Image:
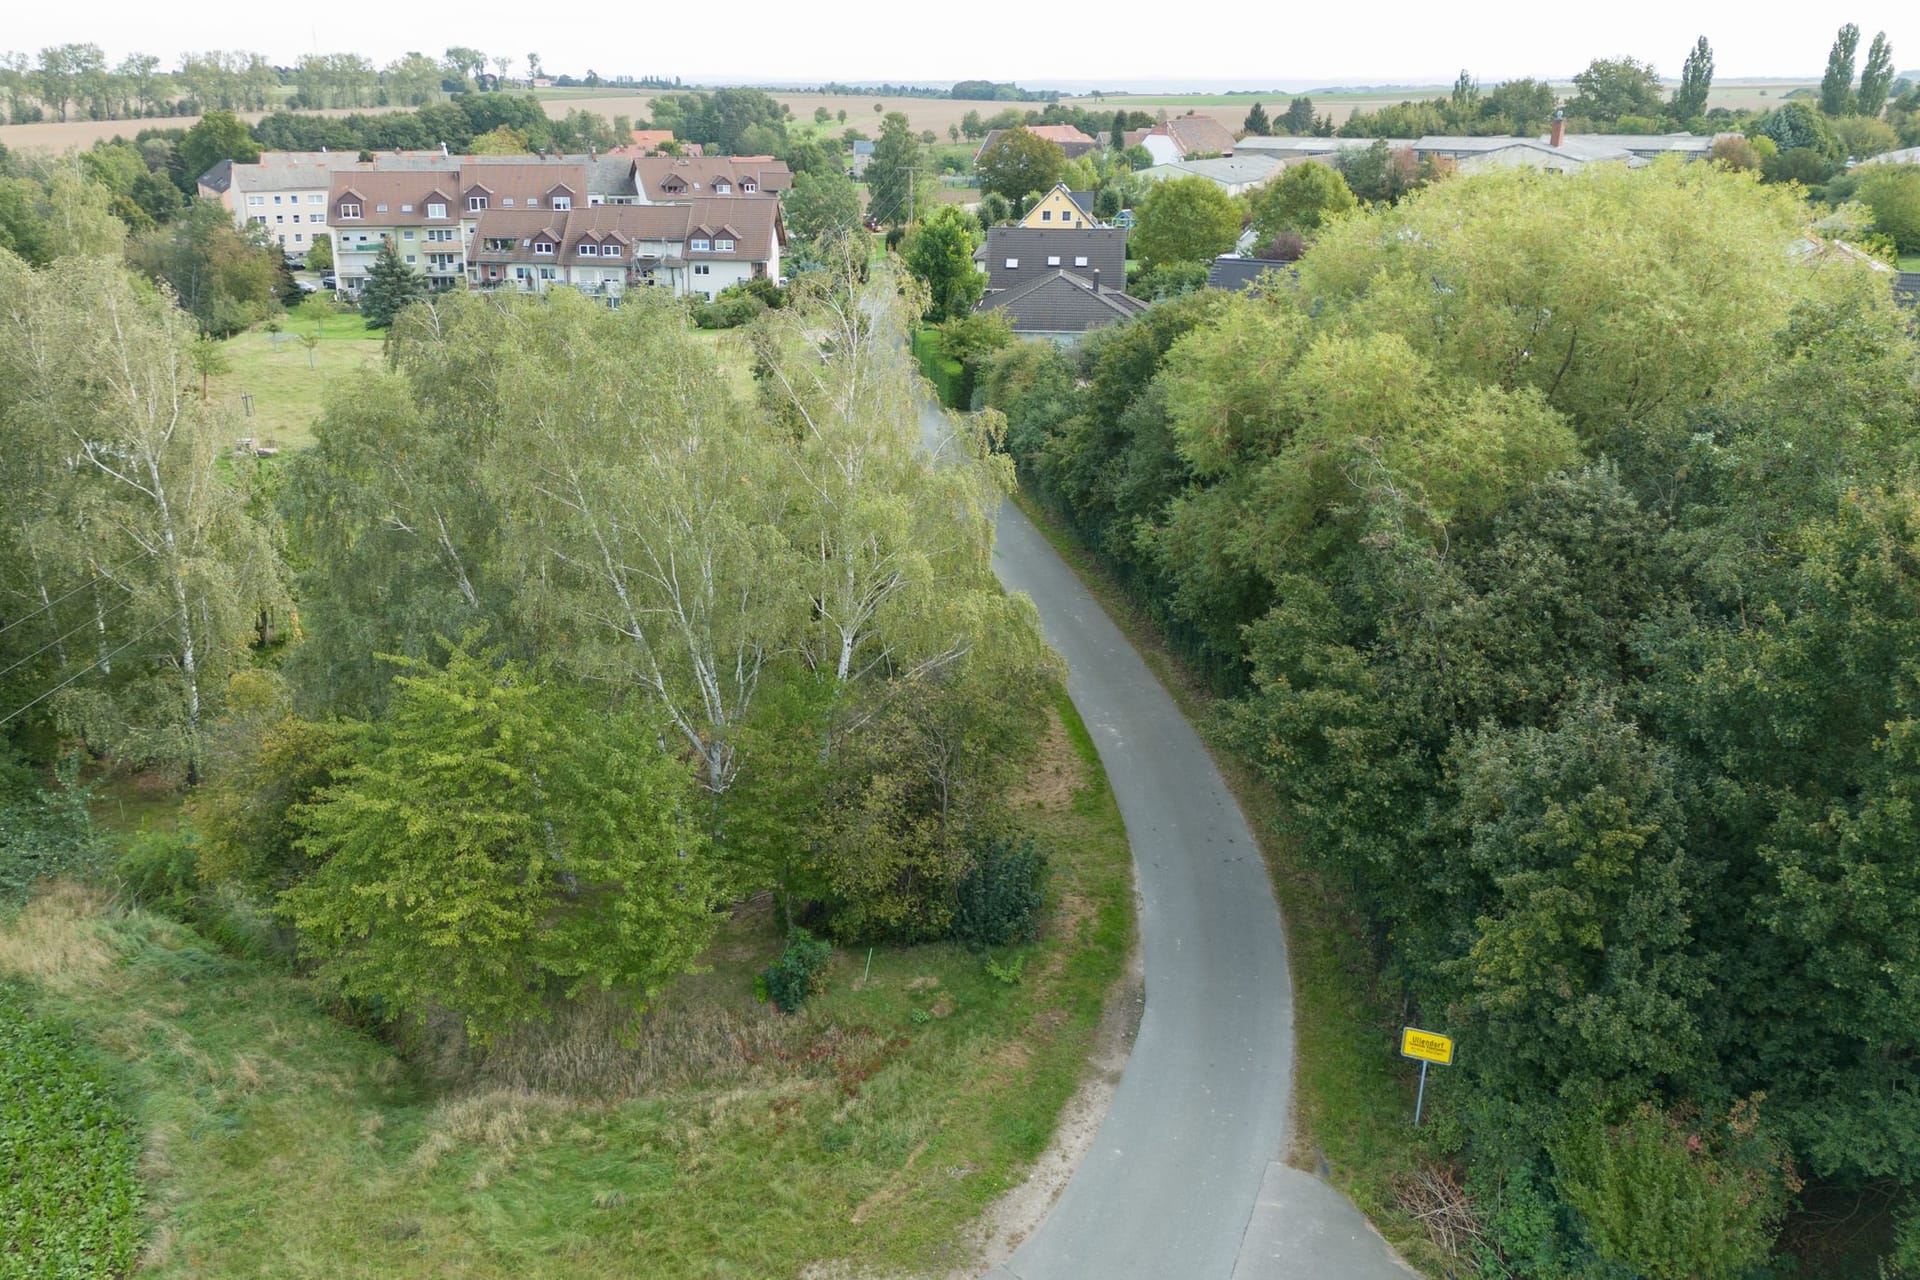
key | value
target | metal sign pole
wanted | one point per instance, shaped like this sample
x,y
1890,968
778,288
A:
x,y
1421,1098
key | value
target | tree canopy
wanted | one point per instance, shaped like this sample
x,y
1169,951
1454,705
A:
x,y
1184,220
1019,163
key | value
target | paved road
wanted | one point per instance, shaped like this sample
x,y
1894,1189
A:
x,y
1183,1180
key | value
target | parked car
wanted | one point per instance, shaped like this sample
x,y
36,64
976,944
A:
x,y
308,286
329,281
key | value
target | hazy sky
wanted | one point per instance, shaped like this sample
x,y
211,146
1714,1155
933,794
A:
x,y
1108,41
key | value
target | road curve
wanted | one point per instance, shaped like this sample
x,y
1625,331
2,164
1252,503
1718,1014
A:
x,y
1184,1179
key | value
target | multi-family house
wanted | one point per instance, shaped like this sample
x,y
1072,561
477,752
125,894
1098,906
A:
x,y
695,248
676,179
1183,137
284,193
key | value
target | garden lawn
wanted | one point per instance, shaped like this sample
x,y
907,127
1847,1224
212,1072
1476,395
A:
x,y
289,391
727,1140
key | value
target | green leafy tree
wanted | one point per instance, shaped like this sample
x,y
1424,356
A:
x,y
825,203
1522,106
1184,220
1876,78
1893,193
1019,163
1117,138
227,279
216,136
497,844
899,188
1610,88
1256,122
1298,119
1304,198
1696,80
1836,86
320,253
940,253
1797,126
391,285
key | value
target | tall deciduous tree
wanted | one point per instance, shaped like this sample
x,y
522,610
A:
x,y
1301,200
899,188
1696,79
940,253
822,204
1876,78
1610,88
1184,220
1020,162
1836,86
216,136
500,843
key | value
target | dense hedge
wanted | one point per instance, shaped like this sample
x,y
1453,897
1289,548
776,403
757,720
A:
x,y
948,376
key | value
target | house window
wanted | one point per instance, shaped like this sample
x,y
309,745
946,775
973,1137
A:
x,y
256,200
533,202
507,203
316,199
406,235
588,251
543,246
258,219
1013,264
279,217
702,269
296,217
436,211
609,250
1053,260
476,203
409,259
1080,261
722,188
276,199
1046,215
561,202
379,208
406,208
749,186
700,246
546,273
723,246
297,237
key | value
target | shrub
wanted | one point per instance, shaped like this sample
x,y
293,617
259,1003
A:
x,y
47,835
794,976
999,901
945,373
71,1202
726,312
160,870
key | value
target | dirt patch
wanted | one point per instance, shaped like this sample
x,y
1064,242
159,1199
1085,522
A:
x,y
1014,1216
56,939
1057,772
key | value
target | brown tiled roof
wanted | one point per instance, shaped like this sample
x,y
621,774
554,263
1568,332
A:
x,y
1202,134
404,193
522,182
750,223
695,176
1072,141
651,139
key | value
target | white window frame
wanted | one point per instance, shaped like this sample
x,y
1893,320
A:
x,y
561,202
609,250
436,210
476,204
379,208
699,245
723,246
1053,259
316,199
723,188
748,186
254,202
587,250
1080,261
1013,264
702,269
543,248
349,211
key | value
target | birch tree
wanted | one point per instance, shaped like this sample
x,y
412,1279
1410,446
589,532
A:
x,y
103,382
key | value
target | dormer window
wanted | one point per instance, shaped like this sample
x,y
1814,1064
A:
x,y
349,211
749,186
588,251
476,203
609,250
700,245
562,202
723,246
722,188
543,246
436,211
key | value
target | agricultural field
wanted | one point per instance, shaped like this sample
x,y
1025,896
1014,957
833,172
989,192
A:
x,y
867,1133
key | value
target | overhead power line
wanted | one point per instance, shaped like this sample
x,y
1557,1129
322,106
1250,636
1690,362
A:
x,y
93,581
22,710
94,621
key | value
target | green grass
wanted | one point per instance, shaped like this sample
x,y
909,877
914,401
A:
x,y
728,1140
71,1200
289,387
1910,262
1353,1095
736,360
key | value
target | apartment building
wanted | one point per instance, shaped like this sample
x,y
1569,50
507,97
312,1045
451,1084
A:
x,y
697,248
285,193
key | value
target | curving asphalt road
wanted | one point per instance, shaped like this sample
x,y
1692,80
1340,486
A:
x,y
1184,1180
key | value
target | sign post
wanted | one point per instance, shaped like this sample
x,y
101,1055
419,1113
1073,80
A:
x,y
1427,1047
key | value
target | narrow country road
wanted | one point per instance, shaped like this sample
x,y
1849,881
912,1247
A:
x,y
1184,1180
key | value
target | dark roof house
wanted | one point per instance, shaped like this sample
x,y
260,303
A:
x,y
1012,256
1243,275
1061,305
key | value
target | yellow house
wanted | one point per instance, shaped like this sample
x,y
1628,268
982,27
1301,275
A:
x,y
1059,208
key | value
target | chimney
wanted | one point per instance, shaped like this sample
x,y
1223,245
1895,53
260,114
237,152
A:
x,y
1559,128
443,148
1096,280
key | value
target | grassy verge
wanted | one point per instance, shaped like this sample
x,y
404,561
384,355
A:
x,y
1353,1095
1910,262
287,383
724,1140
